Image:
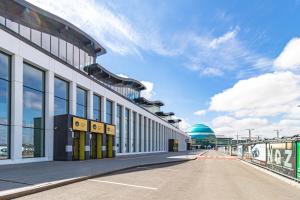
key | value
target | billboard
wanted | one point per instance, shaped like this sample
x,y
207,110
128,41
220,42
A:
x,y
240,151
281,157
298,160
259,154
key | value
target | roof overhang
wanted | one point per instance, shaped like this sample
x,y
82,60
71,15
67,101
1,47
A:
x,y
145,102
173,121
163,114
34,17
102,74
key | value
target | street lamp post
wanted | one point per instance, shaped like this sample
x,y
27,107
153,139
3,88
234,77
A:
x,y
250,133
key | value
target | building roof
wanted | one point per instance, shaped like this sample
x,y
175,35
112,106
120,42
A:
x,y
200,129
110,78
34,17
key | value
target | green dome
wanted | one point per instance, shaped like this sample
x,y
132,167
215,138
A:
x,y
200,128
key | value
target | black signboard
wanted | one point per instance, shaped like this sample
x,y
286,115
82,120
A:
x,y
281,157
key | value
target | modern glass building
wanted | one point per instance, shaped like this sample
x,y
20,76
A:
x,y
202,136
58,103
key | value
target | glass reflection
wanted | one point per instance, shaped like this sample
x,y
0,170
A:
x,y
108,112
33,112
4,145
97,108
81,108
61,97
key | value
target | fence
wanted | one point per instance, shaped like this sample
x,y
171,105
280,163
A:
x,y
281,156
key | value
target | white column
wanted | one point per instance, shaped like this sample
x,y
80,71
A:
x,y
123,130
49,115
16,107
103,109
90,113
73,88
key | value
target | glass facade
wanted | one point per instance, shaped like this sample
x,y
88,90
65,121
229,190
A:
x,y
109,111
119,128
54,45
61,97
127,129
81,102
96,107
33,137
140,133
5,106
149,135
134,131
153,135
145,134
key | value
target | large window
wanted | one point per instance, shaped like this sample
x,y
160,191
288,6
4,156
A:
x,y
5,106
61,97
119,128
153,135
127,129
109,112
33,137
97,107
134,131
145,134
149,135
140,133
81,105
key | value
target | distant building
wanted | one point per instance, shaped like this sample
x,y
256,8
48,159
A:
x,y
202,136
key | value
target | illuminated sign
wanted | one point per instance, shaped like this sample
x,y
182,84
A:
x,y
79,124
97,127
110,129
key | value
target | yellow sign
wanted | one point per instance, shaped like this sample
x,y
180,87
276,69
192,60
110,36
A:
x,y
79,124
110,129
97,127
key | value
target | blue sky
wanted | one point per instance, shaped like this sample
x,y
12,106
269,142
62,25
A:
x,y
230,64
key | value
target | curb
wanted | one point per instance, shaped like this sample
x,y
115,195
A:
x,y
42,188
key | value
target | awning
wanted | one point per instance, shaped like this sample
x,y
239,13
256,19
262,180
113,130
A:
x,y
110,78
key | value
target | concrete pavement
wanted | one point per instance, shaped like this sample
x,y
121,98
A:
x,y
212,176
24,178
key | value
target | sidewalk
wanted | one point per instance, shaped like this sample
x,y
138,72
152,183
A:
x,y
22,178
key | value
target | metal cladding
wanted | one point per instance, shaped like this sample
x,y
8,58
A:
x,y
110,78
34,17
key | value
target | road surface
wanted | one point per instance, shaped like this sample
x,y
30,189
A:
x,y
211,176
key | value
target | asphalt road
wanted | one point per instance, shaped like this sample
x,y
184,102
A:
x,y
212,176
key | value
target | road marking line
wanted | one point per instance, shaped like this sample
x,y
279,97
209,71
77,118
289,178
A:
x,y
124,184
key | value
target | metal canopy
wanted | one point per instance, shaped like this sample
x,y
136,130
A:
x,y
34,17
145,102
173,121
106,76
162,114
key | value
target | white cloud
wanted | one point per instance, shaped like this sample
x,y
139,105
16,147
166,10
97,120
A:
x,y
289,58
266,95
200,112
230,126
148,93
224,38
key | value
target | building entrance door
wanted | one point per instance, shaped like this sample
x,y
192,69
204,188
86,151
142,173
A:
x,y
78,145
96,146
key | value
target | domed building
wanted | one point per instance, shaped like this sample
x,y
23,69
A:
x,y
202,136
